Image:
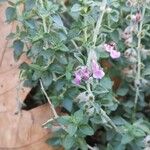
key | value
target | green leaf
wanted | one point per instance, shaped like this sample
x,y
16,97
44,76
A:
x,y
36,75
36,48
64,120
106,83
126,139
76,8
143,125
59,85
68,75
119,120
47,80
78,57
115,36
138,132
57,68
115,4
114,15
109,147
78,115
82,144
69,69
55,141
62,59
86,129
96,119
68,142
67,104
58,21
30,24
62,47
36,67
110,135
122,91
103,54
29,5
10,14
18,48
146,71
71,129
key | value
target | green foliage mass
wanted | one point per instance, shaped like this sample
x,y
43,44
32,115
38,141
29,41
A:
x,y
57,37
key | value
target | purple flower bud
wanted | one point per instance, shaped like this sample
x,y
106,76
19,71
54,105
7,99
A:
x,y
97,71
114,54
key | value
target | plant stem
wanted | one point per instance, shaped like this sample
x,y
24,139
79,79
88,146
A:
x,y
42,4
88,87
109,120
99,22
85,29
44,24
43,17
138,76
51,105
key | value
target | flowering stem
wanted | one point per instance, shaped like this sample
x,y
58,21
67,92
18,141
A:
x,y
99,22
138,76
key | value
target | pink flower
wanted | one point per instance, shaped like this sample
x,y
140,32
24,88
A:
x,y
77,79
85,73
110,48
114,54
81,74
97,71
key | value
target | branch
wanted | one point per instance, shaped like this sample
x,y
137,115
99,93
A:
x,y
51,105
109,120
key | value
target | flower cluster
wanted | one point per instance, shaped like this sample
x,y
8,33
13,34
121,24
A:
x,y
111,48
84,72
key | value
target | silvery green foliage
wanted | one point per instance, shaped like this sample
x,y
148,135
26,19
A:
x,y
104,45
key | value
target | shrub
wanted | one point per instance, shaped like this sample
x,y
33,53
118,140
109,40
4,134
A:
x,y
91,58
